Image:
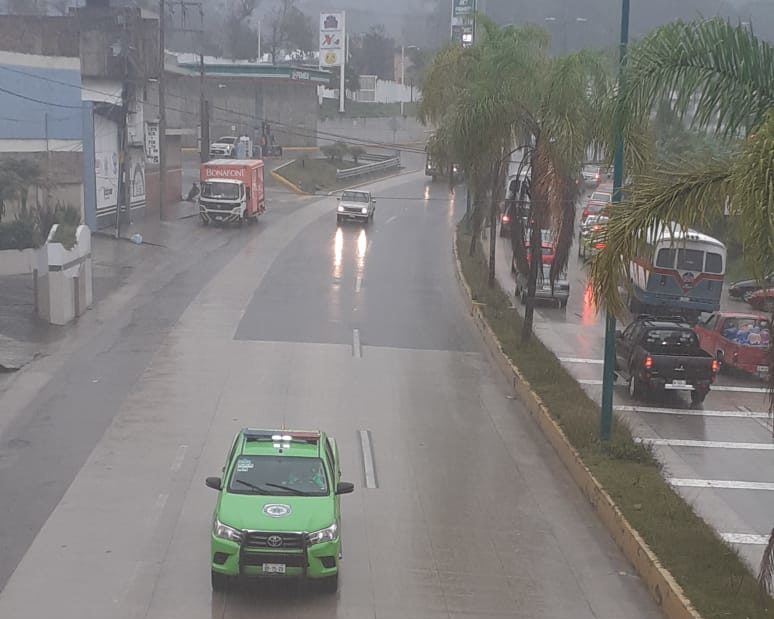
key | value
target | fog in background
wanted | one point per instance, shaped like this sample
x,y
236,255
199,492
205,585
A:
x,y
573,24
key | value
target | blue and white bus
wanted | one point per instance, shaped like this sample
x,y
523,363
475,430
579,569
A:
x,y
678,271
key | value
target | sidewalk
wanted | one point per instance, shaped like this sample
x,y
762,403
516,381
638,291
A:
x,y
24,336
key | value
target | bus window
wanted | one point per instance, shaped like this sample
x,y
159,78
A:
x,y
666,258
690,259
714,263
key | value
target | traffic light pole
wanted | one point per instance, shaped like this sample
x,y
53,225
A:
x,y
608,371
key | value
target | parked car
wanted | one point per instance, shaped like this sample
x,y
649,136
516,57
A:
x,y
558,293
591,237
762,300
737,340
224,147
744,288
592,175
357,205
597,202
663,354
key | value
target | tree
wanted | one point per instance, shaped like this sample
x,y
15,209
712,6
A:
x,y
290,29
241,41
724,71
374,54
719,76
490,113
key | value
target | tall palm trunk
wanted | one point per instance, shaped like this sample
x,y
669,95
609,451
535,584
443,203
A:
x,y
536,263
494,212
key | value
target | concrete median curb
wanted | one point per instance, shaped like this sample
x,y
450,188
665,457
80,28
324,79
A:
x,y
667,593
283,181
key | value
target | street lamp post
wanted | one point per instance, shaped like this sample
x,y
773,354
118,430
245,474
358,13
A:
x,y
608,370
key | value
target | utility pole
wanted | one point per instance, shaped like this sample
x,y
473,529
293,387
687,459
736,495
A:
x,y
204,116
344,60
402,75
608,371
123,193
162,110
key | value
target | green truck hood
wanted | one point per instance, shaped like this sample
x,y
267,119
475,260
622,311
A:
x,y
246,511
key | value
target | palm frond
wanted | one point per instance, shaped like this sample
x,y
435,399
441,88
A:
x,y
753,197
724,70
766,572
693,193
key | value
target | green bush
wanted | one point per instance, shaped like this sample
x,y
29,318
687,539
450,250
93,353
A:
x,y
356,152
19,234
31,227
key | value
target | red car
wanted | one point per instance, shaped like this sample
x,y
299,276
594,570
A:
x,y
737,340
762,299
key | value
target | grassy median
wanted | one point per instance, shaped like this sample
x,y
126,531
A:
x,y
315,174
711,573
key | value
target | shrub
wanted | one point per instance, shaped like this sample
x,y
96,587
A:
x,y
19,234
31,227
356,152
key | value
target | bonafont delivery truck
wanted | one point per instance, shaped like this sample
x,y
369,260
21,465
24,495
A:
x,y
232,191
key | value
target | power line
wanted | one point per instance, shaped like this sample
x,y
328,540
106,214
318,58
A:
x,y
34,100
286,128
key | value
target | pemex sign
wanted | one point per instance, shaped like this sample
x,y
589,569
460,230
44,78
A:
x,y
332,39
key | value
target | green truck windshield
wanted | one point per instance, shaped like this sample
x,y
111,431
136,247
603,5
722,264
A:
x,y
279,475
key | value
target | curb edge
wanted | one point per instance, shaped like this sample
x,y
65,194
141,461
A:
x,y
662,586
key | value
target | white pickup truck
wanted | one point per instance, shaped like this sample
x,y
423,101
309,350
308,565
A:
x,y
357,205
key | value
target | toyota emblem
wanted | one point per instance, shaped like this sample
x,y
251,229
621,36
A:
x,y
274,541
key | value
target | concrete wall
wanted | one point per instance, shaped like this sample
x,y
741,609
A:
x,y
238,105
42,123
381,130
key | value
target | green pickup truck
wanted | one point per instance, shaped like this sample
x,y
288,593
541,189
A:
x,y
277,513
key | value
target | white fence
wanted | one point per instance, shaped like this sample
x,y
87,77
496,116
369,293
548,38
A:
x,y
385,92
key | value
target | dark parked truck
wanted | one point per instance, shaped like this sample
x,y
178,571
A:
x,y
663,354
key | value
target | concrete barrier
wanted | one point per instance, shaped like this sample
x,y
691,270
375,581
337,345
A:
x,y
662,586
68,292
22,261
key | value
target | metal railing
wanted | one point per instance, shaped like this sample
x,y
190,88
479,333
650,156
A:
x,y
384,162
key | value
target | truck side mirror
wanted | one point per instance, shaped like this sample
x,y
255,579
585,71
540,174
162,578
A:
x,y
213,482
345,487
618,334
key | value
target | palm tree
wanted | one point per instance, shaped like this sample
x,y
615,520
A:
x,y
726,75
516,97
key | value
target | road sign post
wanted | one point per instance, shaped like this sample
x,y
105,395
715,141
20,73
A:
x,y
608,371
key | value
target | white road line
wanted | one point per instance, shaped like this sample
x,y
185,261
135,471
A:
x,y
745,538
368,458
739,389
356,343
679,442
580,360
393,218
595,381
721,483
739,414
179,457
358,283
158,507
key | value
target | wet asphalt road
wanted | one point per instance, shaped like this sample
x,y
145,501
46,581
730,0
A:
x,y
311,324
